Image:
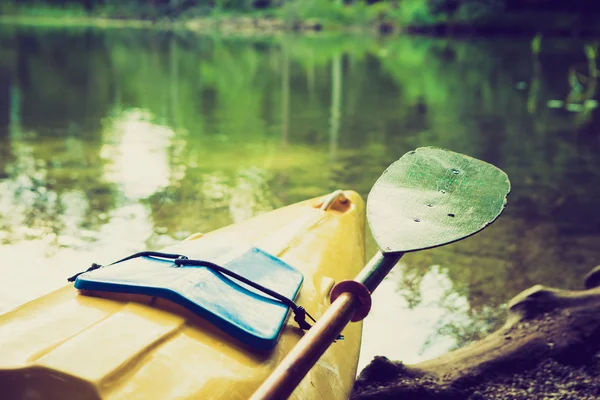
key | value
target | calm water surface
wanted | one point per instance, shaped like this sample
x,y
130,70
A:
x,y
116,141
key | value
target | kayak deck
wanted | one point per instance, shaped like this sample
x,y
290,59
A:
x,y
114,346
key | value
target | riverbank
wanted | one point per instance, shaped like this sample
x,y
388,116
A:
x,y
547,349
548,24
236,24
550,379
76,21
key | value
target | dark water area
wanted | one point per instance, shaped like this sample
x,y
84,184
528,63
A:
x,y
120,140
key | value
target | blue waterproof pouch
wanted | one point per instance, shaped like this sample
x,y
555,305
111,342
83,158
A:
x,y
241,311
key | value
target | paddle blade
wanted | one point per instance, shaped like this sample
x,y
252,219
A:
x,y
431,197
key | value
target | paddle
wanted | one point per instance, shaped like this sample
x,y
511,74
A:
x,y
428,198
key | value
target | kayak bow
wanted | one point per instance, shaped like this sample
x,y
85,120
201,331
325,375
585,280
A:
x,y
97,344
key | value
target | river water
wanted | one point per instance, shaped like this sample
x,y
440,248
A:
x,y
121,140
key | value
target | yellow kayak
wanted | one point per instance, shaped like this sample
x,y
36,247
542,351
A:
x,y
98,344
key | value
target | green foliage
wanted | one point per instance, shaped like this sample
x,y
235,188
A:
x,y
332,12
536,44
7,8
239,5
329,13
414,12
475,10
41,9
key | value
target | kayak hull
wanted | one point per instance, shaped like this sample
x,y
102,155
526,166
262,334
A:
x,y
94,345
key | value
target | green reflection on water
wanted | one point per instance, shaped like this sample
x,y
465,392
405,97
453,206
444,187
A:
x,y
115,141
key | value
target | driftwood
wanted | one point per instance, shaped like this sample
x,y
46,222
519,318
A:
x,y
543,325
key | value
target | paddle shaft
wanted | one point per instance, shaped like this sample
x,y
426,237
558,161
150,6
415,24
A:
x,y
296,364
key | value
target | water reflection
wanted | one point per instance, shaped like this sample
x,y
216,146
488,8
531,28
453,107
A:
x,y
115,141
133,153
413,329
